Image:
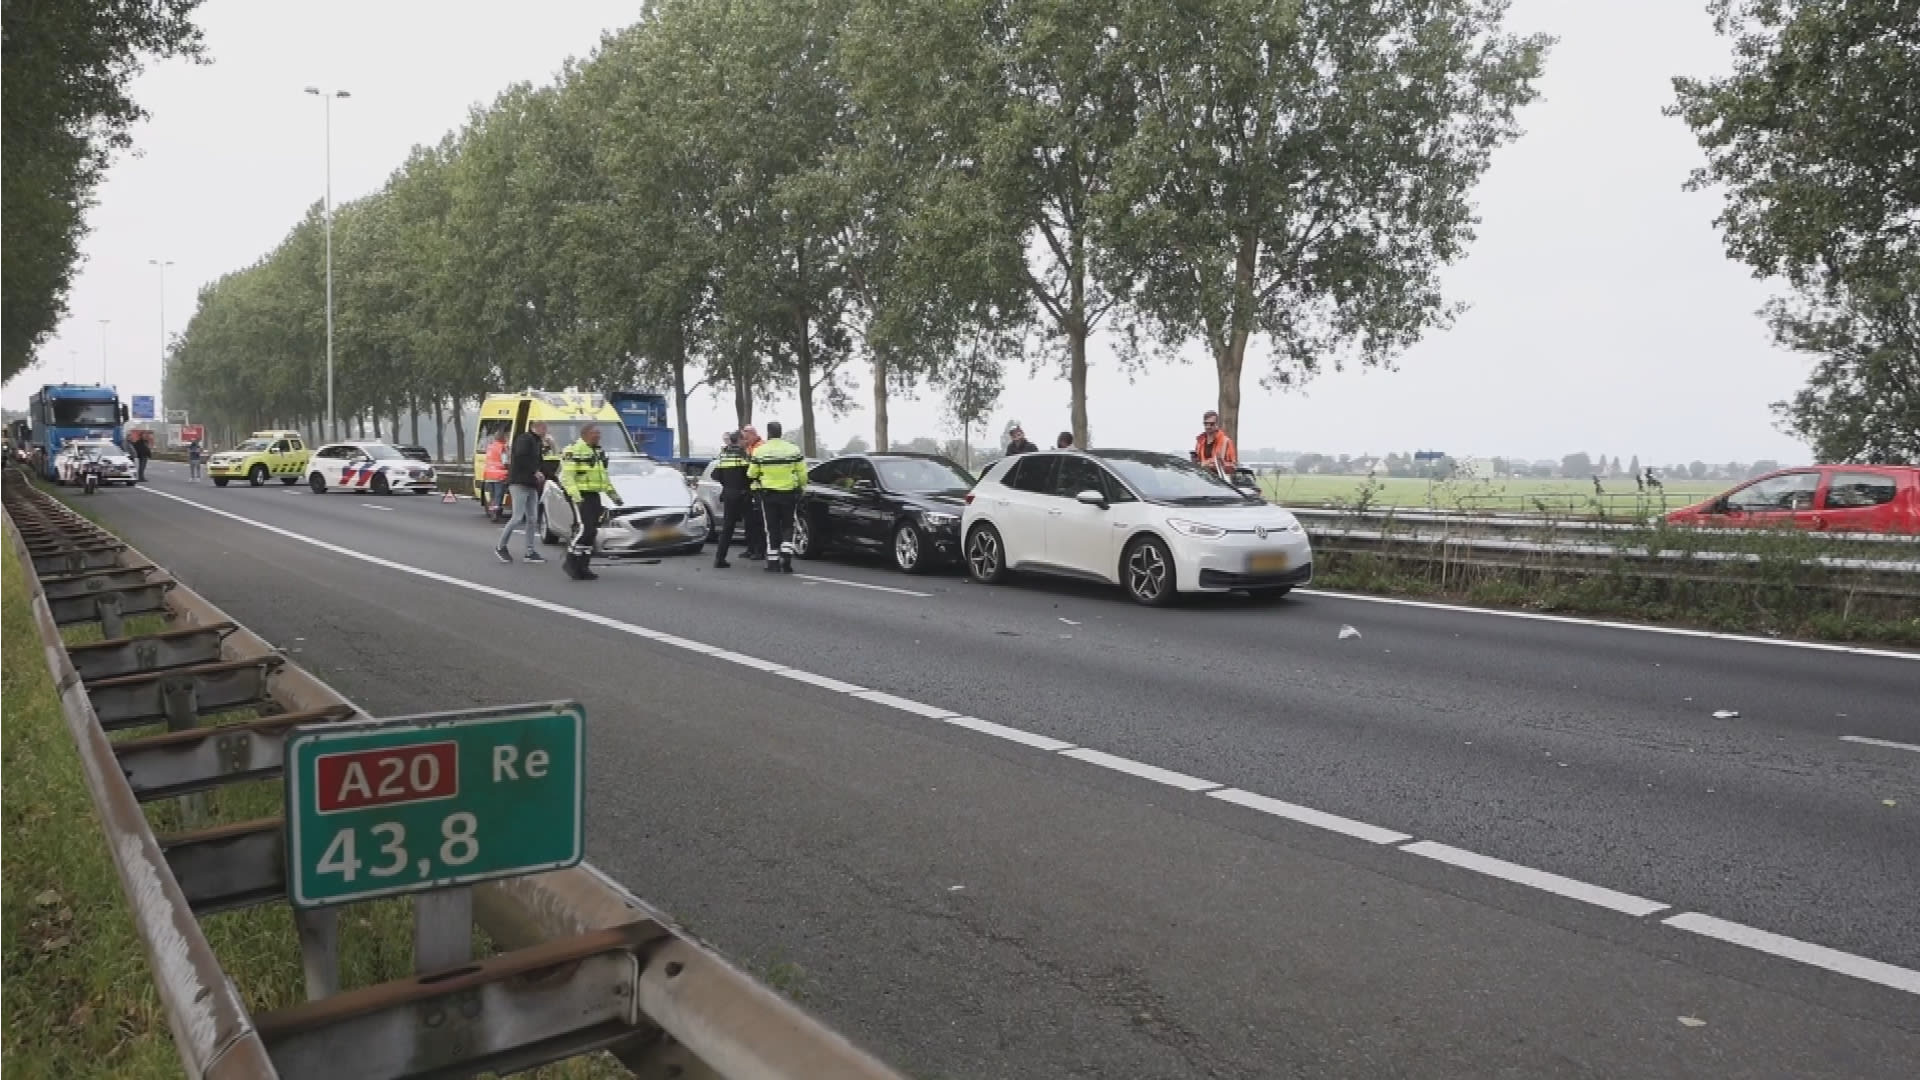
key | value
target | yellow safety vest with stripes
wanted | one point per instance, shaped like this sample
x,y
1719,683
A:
x,y
778,465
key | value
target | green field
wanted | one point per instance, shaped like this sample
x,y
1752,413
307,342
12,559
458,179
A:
x,y
1518,494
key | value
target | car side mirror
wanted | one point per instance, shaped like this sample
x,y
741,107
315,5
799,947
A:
x,y
864,485
1091,497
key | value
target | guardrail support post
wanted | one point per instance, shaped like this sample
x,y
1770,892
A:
x,y
442,929
113,624
319,931
180,698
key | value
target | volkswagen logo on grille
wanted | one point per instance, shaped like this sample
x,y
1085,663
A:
x,y
1260,531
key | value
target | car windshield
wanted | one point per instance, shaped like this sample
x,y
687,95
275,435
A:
x,y
613,437
252,446
1166,479
921,475
68,413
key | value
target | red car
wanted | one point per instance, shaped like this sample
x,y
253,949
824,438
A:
x,y
1837,498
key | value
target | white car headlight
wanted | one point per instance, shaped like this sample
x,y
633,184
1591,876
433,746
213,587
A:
x,y
1196,529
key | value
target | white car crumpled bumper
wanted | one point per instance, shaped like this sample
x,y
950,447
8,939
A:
x,y
1242,560
644,531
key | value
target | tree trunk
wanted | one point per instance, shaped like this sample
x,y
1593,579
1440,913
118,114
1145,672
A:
x,y
1230,361
1077,332
742,394
804,368
459,426
413,411
376,426
680,394
879,404
439,430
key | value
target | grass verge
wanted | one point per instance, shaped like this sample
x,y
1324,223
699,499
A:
x,y
80,997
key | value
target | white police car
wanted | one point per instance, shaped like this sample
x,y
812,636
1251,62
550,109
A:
x,y
374,467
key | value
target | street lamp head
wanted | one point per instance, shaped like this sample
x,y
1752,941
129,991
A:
x,y
313,90
341,93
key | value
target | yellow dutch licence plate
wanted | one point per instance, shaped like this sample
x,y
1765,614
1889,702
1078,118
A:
x,y
1267,563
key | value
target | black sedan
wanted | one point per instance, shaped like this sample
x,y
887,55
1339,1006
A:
x,y
906,505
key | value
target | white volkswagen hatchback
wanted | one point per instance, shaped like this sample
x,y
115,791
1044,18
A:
x,y
1154,524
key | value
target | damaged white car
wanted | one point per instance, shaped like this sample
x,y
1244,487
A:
x,y
658,513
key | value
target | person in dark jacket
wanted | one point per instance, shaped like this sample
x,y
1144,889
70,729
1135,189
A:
x,y
524,480
731,472
142,452
1018,443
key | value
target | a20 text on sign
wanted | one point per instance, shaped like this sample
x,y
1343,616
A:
x,y
384,807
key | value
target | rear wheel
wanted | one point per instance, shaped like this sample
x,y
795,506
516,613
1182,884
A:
x,y
986,555
806,538
257,475
219,481
1147,572
909,549
318,483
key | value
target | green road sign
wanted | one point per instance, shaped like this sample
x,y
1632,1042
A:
x,y
383,807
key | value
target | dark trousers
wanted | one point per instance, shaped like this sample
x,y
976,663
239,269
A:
x,y
756,527
142,460
733,513
777,508
580,549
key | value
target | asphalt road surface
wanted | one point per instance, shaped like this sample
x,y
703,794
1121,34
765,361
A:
x,y
1037,831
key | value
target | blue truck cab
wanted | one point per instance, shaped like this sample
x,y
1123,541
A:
x,y
644,416
58,413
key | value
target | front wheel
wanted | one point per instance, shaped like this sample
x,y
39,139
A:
x,y
220,481
380,486
1147,572
547,535
909,549
257,475
318,483
986,555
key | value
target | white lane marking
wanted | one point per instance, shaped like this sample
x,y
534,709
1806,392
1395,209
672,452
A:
x,y
862,585
1672,631
1733,933
1888,743
1306,815
382,509
931,712
1011,734
1142,770
1844,963
821,681
747,661
1570,888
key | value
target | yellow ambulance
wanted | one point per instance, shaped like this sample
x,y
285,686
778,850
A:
x,y
278,455
565,412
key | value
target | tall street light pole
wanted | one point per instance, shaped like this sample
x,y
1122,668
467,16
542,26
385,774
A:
x,y
162,264
327,96
103,351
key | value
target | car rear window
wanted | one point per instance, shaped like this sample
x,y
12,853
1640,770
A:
x,y
1854,490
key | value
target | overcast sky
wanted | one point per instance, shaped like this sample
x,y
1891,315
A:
x,y
1603,316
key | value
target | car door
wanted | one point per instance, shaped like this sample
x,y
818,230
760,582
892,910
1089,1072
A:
x,y
822,500
1020,508
1080,536
1857,501
1773,501
867,520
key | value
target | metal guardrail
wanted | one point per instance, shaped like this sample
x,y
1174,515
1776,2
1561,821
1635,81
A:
x,y
590,966
1535,524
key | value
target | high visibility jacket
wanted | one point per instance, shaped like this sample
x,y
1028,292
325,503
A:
x,y
730,471
1215,447
583,469
496,461
778,465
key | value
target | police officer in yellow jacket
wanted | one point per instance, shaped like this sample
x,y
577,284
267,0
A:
x,y
583,475
780,470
